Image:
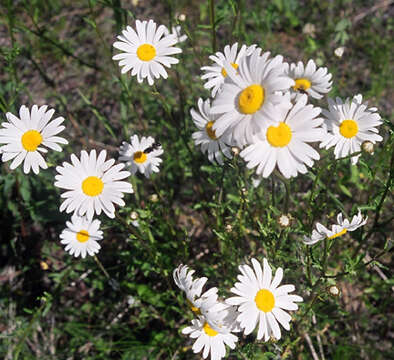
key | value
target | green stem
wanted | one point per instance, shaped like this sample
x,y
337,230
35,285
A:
x,y
212,18
101,266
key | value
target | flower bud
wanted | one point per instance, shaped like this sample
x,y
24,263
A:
x,y
284,220
334,291
235,150
154,198
133,215
367,146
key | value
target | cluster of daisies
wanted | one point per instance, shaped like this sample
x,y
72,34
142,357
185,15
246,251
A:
x,y
260,105
259,303
92,183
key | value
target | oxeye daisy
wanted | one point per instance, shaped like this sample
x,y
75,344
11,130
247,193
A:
x,y
262,301
209,340
349,124
93,184
81,236
25,136
183,278
146,51
337,230
283,140
177,31
216,74
310,80
142,156
206,136
247,92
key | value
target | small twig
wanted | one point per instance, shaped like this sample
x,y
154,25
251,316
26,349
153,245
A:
x,y
380,5
311,348
319,343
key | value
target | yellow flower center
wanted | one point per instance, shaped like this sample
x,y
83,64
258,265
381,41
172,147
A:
x,y
343,232
210,131
302,84
92,186
348,128
209,331
251,99
139,157
83,236
146,52
279,136
31,139
224,72
195,309
265,300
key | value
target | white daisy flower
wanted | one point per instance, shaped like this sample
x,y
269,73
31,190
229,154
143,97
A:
x,y
81,236
212,341
216,74
142,156
93,184
262,301
247,92
146,51
309,80
183,278
349,124
25,137
337,230
177,31
283,140
206,136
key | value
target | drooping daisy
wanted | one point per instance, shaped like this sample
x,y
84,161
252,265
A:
x,y
25,137
283,140
146,51
142,156
247,92
216,74
81,236
337,230
177,31
209,340
206,137
183,278
309,80
262,301
93,184
349,124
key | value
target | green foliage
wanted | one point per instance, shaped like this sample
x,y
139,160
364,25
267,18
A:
x,y
212,218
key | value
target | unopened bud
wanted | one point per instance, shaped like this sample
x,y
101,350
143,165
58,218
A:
x,y
44,266
339,51
229,228
235,150
133,215
284,220
154,198
367,146
334,291
182,17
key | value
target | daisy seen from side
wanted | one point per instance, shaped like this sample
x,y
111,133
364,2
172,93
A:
x,y
349,124
261,301
241,106
206,137
283,140
141,155
147,51
337,230
26,136
93,184
216,73
177,31
81,236
192,288
310,80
